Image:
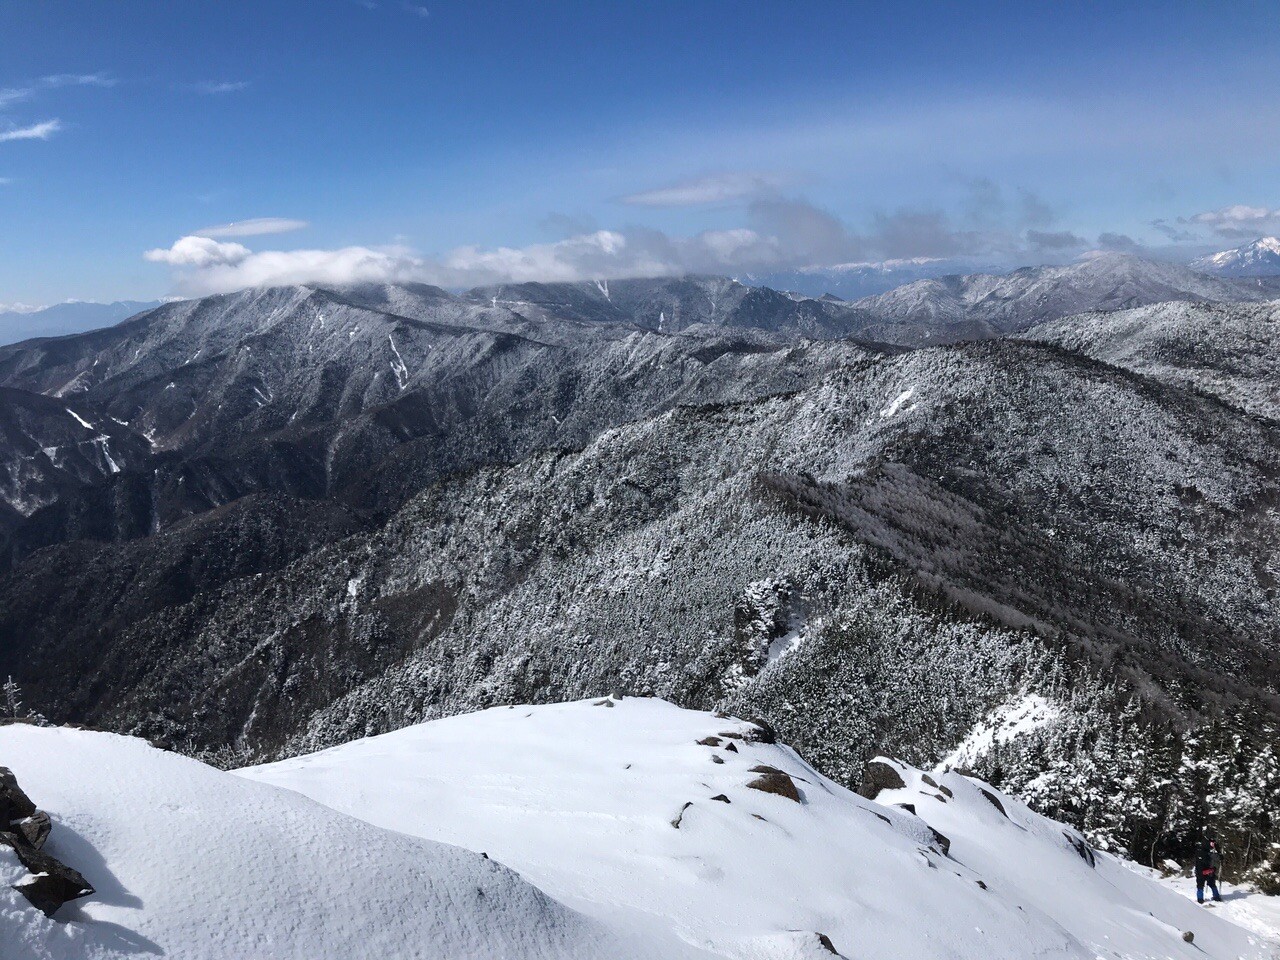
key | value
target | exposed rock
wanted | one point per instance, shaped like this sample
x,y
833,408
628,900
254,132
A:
x,y
35,828
773,780
1081,848
877,776
732,747
942,842
680,816
995,801
51,883
825,941
1188,936
722,798
763,732
14,804
946,792
909,807
929,781
710,741
717,759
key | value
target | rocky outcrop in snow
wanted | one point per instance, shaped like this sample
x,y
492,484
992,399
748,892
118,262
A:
x,y
48,883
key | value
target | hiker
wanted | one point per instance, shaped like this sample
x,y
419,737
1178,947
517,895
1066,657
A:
x,y
1208,863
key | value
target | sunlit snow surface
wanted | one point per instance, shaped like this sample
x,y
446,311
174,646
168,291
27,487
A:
x,y
191,863
580,798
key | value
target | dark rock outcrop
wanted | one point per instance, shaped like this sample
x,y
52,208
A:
x,y
35,828
994,801
772,780
14,803
49,883
878,776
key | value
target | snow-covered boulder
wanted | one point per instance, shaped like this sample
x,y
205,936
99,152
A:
x,y
192,863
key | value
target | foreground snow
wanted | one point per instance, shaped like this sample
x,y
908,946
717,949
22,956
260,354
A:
x,y
190,862
581,798
632,841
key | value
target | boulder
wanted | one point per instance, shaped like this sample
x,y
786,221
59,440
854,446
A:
x,y
772,780
35,828
878,775
763,732
14,804
50,883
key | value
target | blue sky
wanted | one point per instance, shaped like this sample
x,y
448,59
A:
x,y
469,142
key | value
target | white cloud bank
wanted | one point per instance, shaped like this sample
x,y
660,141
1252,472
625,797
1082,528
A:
x,y
779,233
1240,221
205,265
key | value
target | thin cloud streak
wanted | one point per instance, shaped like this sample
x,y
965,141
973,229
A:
x,y
256,227
37,131
720,188
215,88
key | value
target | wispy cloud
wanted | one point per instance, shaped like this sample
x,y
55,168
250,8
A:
x,y
417,9
54,81
718,188
259,226
78,80
9,95
36,131
214,88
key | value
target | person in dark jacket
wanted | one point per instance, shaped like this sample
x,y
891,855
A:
x,y
1208,863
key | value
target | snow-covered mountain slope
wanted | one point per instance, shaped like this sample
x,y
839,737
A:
x,y
642,815
853,281
678,304
1259,258
1231,351
966,307
191,863
1113,909
49,447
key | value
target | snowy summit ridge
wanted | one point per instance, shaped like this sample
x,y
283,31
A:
x,y
1258,258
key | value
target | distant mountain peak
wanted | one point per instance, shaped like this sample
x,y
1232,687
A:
x,y
1258,258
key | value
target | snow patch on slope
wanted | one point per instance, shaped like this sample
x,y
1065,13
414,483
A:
x,y
1003,724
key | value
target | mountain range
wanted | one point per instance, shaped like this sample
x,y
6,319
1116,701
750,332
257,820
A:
x,y
263,523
